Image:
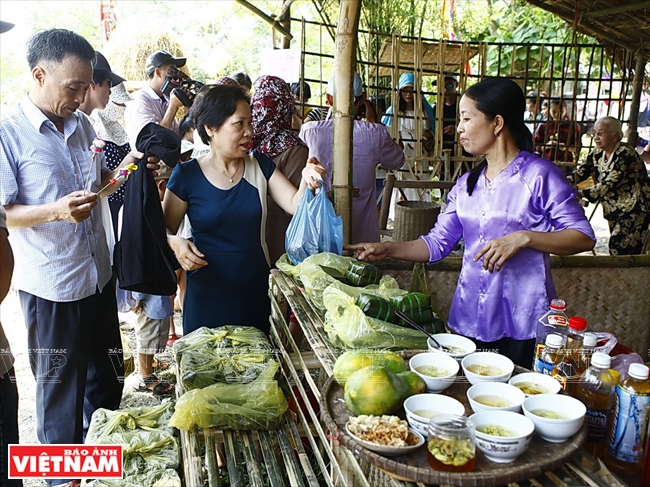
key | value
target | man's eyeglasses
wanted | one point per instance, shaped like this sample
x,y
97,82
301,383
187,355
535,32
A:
x,y
449,86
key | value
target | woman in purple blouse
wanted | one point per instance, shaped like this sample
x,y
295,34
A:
x,y
512,210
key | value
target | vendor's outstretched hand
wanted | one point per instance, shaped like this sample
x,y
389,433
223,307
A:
x,y
369,252
497,251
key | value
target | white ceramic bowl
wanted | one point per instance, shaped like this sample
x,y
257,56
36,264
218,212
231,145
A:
x,y
442,362
487,359
389,451
555,430
435,403
493,390
465,345
543,382
503,449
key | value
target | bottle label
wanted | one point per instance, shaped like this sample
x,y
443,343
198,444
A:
x,y
596,420
557,320
542,367
628,426
539,347
561,379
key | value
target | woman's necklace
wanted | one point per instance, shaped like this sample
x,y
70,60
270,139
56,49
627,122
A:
x,y
230,178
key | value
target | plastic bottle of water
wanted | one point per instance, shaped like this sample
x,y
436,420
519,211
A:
x,y
553,321
596,390
588,349
629,419
551,354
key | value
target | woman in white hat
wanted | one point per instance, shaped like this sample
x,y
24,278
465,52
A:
x,y
108,126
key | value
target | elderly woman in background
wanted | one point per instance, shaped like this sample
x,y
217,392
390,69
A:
x,y
513,210
272,107
622,186
224,193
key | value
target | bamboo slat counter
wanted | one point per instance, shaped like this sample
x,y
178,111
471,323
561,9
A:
x,y
310,369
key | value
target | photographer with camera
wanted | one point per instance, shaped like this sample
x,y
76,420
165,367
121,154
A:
x,y
151,103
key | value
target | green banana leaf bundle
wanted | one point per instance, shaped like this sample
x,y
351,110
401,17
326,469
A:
x,y
362,273
258,405
416,306
436,325
200,369
149,446
377,307
143,451
223,337
106,422
349,328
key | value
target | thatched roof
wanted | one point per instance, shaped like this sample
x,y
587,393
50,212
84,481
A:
x,y
624,23
430,60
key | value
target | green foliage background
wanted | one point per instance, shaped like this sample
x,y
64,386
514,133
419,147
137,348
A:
x,y
220,37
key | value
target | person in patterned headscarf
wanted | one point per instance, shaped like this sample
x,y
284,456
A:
x,y
273,108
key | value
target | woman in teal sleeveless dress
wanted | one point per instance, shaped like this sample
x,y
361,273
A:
x,y
224,194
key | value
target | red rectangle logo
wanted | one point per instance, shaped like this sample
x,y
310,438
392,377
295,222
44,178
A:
x,y
65,461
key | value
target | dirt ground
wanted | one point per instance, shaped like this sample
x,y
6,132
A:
x,y
13,324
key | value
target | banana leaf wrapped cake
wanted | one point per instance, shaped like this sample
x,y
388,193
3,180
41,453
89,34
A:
x,y
200,368
229,354
149,449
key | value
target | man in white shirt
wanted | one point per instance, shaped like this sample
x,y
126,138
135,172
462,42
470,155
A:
x,y
150,104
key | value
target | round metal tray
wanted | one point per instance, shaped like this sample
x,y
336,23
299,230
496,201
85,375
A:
x,y
540,456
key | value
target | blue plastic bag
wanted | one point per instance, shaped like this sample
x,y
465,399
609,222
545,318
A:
x,y
314,228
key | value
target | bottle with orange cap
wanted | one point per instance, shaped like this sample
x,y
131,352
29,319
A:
x,y
576,336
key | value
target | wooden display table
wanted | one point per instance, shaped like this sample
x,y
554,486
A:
x,y
312,371
304,451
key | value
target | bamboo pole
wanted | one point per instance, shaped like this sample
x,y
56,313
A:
x,y
637,88
343,111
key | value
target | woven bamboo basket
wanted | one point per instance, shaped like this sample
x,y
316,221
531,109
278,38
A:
x,y
414,218
611,292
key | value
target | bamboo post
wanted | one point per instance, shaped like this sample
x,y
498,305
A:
x,y
343,111
639,71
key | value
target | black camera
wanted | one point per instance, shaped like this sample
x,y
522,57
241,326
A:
x,y
184,87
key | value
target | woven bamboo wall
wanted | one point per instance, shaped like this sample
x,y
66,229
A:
x,y
612,299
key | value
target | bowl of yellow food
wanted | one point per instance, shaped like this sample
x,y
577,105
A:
x,y
422,407
532,383
456,346
437,370
556,417
495,396
487,367
502,435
